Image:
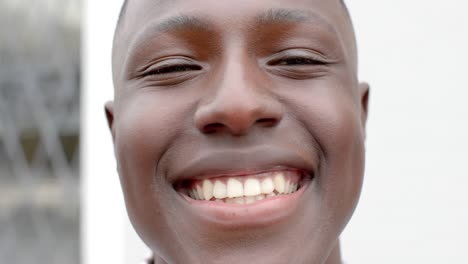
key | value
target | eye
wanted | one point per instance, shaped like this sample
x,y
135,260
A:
x,y
299,64
291,61
171,71
175,68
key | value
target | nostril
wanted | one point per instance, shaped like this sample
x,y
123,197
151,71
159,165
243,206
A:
x,y
212,128
267,122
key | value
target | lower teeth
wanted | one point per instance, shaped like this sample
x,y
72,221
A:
x,y
245,199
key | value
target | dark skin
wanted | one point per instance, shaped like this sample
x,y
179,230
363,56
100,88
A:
x,y
226,88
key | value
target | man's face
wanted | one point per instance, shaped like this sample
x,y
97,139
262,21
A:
x,y
238,128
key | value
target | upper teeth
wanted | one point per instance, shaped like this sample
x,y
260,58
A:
x,y
244,189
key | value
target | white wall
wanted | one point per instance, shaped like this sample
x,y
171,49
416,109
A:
x,y
103,214
414,205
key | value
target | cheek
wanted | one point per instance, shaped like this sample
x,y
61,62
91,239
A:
x,y
342,142
342,169
333,120
141,133
144,129
146,126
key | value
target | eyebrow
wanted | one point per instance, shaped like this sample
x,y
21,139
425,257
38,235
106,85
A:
x,y
184,22
276,15
286,15
271,16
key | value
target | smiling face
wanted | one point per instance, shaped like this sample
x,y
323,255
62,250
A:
x,y
238,128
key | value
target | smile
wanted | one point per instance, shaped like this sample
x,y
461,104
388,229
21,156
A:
x,y
251,187
245,189
246,200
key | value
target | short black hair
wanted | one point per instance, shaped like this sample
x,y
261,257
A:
x,y
124,8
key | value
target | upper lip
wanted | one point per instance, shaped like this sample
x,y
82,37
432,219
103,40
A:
x,y
217,163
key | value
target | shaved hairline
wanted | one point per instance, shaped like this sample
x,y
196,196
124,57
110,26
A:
x,y
122,12
125,3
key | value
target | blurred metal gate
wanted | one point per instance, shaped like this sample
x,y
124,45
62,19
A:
x,y
39,131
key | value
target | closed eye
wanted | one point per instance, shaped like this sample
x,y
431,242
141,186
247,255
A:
x,y
291,61
167,69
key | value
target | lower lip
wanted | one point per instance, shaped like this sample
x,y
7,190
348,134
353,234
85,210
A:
x,y
265,212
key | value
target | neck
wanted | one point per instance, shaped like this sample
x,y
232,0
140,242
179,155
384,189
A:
x,y
335,255
333,258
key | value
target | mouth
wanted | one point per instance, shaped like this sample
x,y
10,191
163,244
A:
x,y
244,189
246,200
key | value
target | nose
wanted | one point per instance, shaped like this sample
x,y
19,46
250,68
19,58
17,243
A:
x,y
237,104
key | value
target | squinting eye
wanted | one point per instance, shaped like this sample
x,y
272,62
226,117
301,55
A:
x,y
296,61
173,68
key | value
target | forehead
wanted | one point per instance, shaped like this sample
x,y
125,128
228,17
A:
x,y
140,12
141,19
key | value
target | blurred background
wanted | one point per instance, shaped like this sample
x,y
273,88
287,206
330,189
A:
x,y
413,204
39,131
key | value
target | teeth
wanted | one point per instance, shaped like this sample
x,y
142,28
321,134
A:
x,y
192,194
239,200
286,187
207,189
290,187
219,190
250,199
294,187
240,191
260,197
268,186
279,182
199,192
252,187
234,188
